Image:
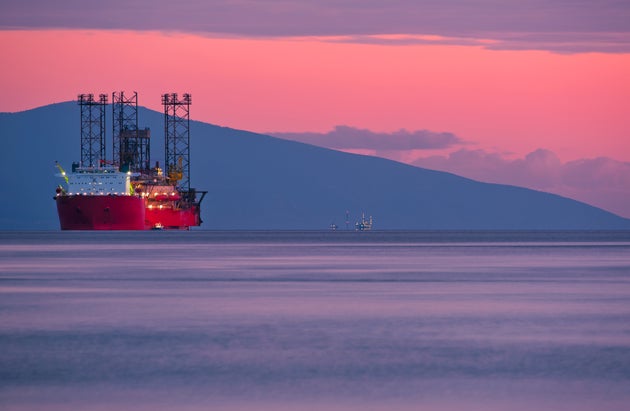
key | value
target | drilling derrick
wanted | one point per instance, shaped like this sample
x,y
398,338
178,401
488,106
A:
x,y
177,139
92,129
131,146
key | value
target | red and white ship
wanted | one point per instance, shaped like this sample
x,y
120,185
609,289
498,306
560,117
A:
x,y
128,196
99,199
166,206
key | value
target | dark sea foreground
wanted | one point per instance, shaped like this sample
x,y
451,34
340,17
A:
x,y
207,320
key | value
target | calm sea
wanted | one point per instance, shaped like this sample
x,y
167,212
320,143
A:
x,y
315,321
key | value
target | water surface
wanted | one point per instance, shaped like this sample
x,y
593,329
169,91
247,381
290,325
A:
x,y
315,320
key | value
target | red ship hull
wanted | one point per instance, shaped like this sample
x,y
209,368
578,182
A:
x,y
171,218
101,212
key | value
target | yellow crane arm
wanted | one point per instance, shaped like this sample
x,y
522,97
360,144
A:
x,y
62,171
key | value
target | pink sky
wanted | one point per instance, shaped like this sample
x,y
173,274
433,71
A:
x,y
508,102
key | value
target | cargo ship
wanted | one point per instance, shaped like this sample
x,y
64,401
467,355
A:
x,y
123,193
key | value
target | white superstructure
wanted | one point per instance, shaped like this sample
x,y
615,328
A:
x,y
99,181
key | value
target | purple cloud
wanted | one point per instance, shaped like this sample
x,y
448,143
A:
x,y
602,182
557,42
347,138
565,26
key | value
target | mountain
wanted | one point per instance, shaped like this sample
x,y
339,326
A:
x,y
256,181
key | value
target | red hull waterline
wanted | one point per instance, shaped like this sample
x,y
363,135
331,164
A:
x,y
101,212
173,219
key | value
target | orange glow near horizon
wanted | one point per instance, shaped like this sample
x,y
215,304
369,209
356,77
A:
x,y
508,101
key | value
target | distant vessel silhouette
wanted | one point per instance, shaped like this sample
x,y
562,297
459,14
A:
x,y
364,224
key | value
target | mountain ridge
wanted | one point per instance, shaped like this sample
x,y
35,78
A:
x,y
256,181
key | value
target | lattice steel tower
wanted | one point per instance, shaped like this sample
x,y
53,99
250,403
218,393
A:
x,y
177,139
92,129
131,146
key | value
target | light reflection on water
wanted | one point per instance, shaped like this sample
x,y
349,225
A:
x,y
297,321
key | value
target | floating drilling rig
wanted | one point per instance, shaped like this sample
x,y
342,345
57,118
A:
x,y
126,192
